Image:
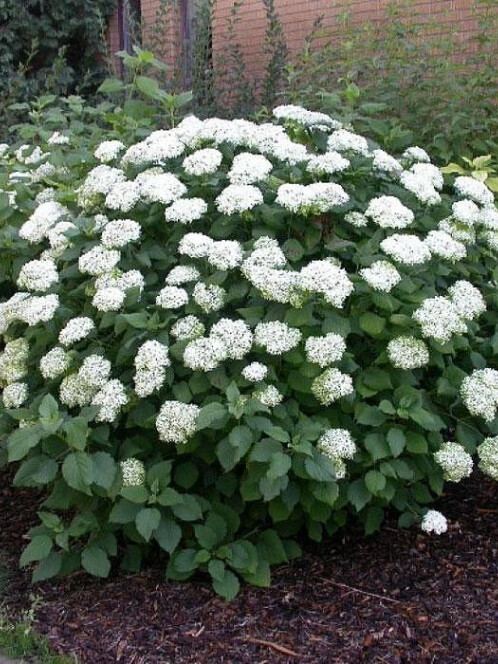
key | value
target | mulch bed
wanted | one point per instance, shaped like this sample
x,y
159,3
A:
x,y
395,597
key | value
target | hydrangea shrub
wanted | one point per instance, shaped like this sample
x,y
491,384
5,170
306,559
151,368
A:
x,y
230,335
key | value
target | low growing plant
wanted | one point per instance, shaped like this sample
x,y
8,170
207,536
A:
x,y
230,335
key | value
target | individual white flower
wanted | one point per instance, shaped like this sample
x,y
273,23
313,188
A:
x,y
325,350
189,327
176,422
119,233
38,275
95,371
14,395
327,278
467,299
407,353
186,210
158,187
442,244
488,217
406,249
474,189
133,472
384,162
381,276
75,330
415,153
172,297
41,221
343,140
225,254
54,363
248,168
195,245
111,398
182,274
123,196
238,198
331,386
356,219
38,309
203,162
276,337
329,163
434,522
204,354
389,212
13,361
269,396
108,151
479,393
73,391
235,334
488,457
317,197
209,297
98,260
421,186
439,318
304,116
337,444
465,211
108,299
255,372
455,461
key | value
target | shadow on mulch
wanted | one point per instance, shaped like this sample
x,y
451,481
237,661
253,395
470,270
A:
x,y
396,597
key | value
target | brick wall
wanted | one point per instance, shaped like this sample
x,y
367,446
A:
x,y
297,17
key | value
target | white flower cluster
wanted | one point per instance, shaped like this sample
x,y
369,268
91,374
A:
x,y
389,212
182,274
385,163
209,297
415,153
225,254
331,386
327,278
238,198
204,354
406,249
465,211
35,310
276,337
439,319
58,139
151,362
111,398
255,372
442,244
248,168
488,457
479,393
343,140
38,275
195,245
455,461
98,260
75,330
99,182
434,522
269,396
325,350
203,162
176,422
356,219
474,189
328,163
467,299
154,186
381,276
186,210
13,361
187,328
317,197
303,116
172,297
54,363
407,353
108,151
235,335
157,149
78,389
46,215
133,472
421,186
337,445
120,232
14,395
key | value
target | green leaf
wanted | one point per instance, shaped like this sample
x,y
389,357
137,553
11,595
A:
x,y
111,86
320,467
147,520
48,568
36,471
372,324
397,441
95,561
104,469
21,441
376,444
77,431
186,474
39,548
426,419
375,482
241,437
358,494
188,510
150,88
135,494
280,464
160,473
261,577
124,512
228,586
168,534
211,416
416,443
369,415
271,547
77,470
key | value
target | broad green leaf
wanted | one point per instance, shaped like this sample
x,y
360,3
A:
x,y
396,440
21,441
375,482
104,469
48,567
77,470
95,561
39,548
146,521
228,586
168,534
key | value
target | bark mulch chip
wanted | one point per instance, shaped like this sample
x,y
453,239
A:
x,y
395,597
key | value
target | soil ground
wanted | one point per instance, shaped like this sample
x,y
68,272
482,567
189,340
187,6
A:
x,y
396,597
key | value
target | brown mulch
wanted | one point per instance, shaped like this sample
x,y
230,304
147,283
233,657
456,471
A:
x,y
395,597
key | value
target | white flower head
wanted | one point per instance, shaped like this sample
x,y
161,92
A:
x,y
14,395
406,249
186,210
203,162
111,399
235,335
225,254
488,457
158,187
331,386
248,168
119,233
325,350
238,198
328,163
95,371
189,327
317,197
123,196
172,297
108,151
407,353
108,299
176,422
465,211
434,522
415,153
439,319
381,276
255,372
421,186
384,162
269,396
356,219
467,299
209,297
98,260
41,221
479,393
389,212
75,330
276,337
133,472
38,309
327,278
204,354
54,363
182,274
195,245
343,140
337,444
474,189
455,461
38,275
442,244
